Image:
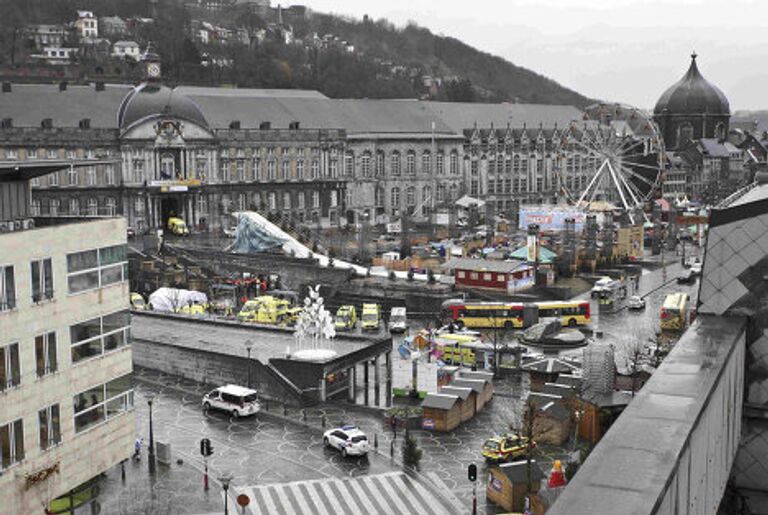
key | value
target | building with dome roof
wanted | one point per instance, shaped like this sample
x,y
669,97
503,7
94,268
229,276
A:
x,y
691,109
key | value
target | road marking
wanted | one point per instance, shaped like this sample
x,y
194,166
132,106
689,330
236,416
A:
x,y
299,496
318,504
394,497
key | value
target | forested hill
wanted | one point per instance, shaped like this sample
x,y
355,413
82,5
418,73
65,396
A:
x,y
339,56
492,78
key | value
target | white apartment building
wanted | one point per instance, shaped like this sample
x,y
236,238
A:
x,y
66,387
87,24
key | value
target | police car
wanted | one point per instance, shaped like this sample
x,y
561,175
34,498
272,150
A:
x,y
347,439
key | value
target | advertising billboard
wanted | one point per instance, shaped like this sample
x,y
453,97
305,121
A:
x,y
550,219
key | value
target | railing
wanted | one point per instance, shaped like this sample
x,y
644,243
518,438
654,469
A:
x,y
672,449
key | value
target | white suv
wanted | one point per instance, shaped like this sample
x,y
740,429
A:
x,y
348,439
235,400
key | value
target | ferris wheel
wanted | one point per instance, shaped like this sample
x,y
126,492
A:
x,y
627,152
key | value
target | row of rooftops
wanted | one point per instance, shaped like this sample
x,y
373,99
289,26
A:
x,y
28,104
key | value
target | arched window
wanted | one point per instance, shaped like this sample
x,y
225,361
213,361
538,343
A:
x,y
440,193
242,202
349,163
300,165
426,162
395,165
720,131
74,207
379,163
315,199
410,196
365,164
35,207
315,169
271,170
454,162
379,196
410,163
440,163
454,191
394,197
684,133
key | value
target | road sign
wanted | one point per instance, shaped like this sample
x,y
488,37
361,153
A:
x,y
243,500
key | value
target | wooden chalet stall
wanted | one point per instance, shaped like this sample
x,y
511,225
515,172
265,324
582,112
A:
x,y
468,400
486,377
508,484
441,412
486,274
477,385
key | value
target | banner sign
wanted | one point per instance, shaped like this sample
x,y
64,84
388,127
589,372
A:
x,y
550,219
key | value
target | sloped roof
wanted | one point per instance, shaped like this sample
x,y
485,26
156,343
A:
x,y
517,471
476,384
693,94
464,115
715,148
461,393
439,401
545,255
482,265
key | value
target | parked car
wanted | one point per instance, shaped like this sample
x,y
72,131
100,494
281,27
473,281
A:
x,y
636,302
346,318
686,277
235,400
505,447
696,267
347,439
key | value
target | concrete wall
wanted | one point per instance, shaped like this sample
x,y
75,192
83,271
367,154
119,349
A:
x,y
213,368
83,455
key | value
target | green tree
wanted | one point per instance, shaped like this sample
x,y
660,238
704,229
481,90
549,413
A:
x,y
411,452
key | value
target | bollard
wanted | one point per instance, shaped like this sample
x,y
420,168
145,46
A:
x,y
322,420
392,449
122,470
376,441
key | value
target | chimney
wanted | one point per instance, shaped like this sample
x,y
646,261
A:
x,y
265,126
63,85
47,123
85,123
99,85
234,124
6,87
294,126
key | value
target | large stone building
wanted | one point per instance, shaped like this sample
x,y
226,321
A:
x,y
66,389
204,153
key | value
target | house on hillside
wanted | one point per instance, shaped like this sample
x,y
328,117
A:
x,y
126,50
87,25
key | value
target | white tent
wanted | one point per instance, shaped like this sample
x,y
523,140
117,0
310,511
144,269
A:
x,y
170,300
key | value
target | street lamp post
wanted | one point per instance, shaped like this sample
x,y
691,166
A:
x,y
248,347
150,399
225,479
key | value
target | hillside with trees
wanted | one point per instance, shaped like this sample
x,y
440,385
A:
x,y
339,56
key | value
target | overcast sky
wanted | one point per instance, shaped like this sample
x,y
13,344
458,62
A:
x,y
620,50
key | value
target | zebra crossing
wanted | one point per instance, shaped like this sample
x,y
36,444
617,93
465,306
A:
x,y
390,493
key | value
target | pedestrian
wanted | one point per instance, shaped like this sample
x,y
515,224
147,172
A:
x,y
137,449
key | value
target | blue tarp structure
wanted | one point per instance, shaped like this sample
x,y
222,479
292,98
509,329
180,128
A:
x,y
250,238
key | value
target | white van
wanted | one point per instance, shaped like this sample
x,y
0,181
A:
x,y
397,320
235,400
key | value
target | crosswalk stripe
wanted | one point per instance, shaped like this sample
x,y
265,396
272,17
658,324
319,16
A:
x,y
407,495
318,504
421,493
363,497
380,495
296,494
286,502
373,496
386,484
341,490
258,500
331,497
270,504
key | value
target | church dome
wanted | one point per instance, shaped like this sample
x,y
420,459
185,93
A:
x,y
151,101
693,94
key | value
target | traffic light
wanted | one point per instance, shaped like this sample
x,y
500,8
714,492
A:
x,y
472,472
205,447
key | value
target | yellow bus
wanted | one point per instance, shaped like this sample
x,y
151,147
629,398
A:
x,y
674,312
476,314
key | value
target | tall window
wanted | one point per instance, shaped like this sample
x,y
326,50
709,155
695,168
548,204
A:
x,y
334,198
10,369
50,426
426,162
240,170
379,196
395,165
42,280
300,167
426,198
53,179
286,200
365,164
271,170
410,162
454,163
394,196
272,200
109,174
93,207
315,169
440,192
7,288
102,402
410,196
242,202
315,199
300,200
202,204
379,163
46,361
99,335
440,163
96,268
349,164
111,207
74,206
35,207
256,169
11,443
90,176
54,207
72,176
285,168
334,168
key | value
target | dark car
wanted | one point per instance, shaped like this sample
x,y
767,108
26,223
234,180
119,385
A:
x,y
686,277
